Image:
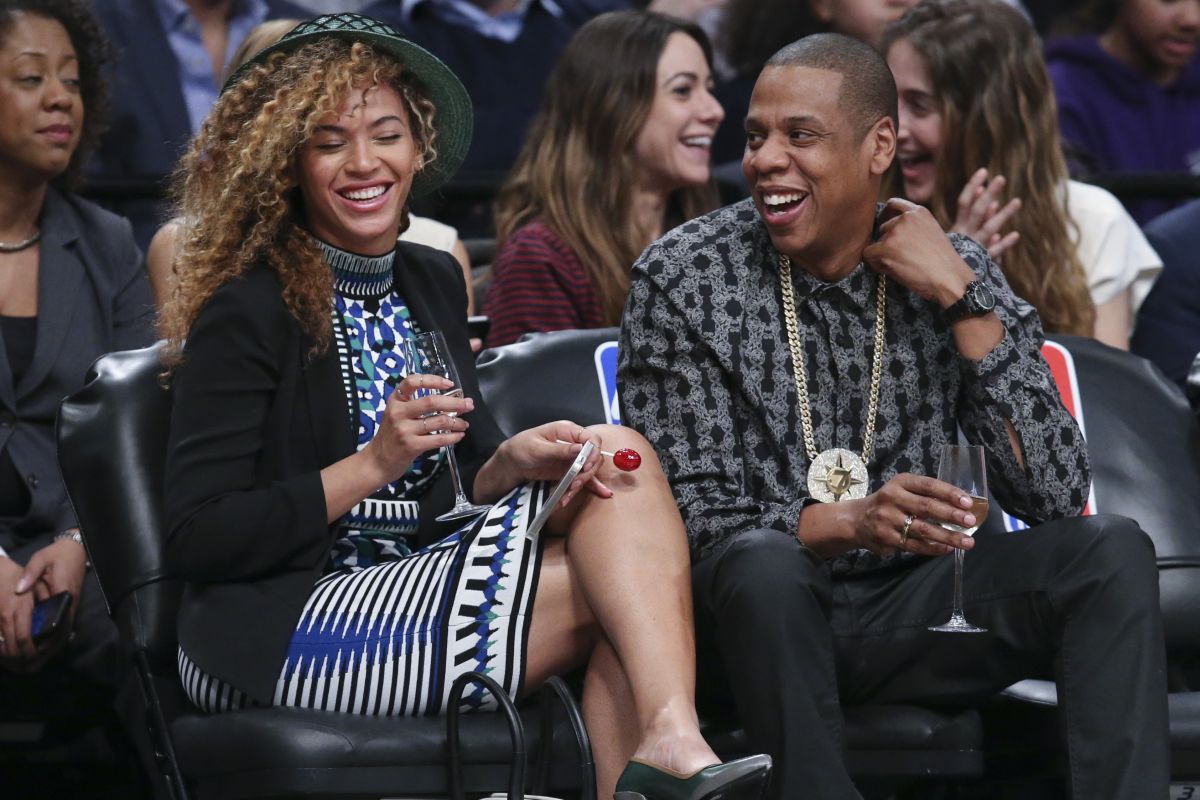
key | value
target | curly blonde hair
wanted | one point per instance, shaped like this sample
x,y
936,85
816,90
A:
x,y
236,189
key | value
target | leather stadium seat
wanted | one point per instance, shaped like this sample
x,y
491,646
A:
x,y
112,440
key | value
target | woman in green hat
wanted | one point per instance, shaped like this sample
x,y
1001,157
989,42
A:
x,y
304,467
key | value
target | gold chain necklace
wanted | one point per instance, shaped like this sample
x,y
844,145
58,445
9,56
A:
x,y
834,473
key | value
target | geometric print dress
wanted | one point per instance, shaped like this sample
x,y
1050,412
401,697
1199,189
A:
x,y
386,630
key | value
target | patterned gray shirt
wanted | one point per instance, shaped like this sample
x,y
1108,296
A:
x,y
705,373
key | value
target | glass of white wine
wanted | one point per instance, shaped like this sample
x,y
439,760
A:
x,y
428,354
963,466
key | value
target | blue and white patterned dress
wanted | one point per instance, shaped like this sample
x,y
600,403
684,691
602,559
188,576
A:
x,y
386,630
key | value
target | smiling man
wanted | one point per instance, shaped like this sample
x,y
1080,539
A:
x,y
798,360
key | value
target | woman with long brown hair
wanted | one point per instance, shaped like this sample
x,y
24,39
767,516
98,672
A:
x,y
617,155
981,148
304,472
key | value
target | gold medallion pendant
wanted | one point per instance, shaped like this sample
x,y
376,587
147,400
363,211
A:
x,y
837,474
834,474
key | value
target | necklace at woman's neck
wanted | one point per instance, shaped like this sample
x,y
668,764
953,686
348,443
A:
x,y
24,244
21,207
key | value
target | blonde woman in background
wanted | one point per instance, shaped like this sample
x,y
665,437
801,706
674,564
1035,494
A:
x,y
981,149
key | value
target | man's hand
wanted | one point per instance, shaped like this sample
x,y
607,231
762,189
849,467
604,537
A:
x,y
877,521
923,503
981,216
913,250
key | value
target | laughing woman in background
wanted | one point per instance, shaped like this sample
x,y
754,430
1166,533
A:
x,y
618,154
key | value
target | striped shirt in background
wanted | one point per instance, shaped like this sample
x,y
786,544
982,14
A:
x,y
538,284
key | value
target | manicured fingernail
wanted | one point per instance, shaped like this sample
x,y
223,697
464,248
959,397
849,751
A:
x,y
969,520
964,501
22,585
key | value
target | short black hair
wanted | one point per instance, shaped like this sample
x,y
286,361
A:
x,y
94,53
868,90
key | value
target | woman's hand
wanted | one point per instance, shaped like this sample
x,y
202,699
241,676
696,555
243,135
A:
x,y
413,425
981,216
540,454
404,432
58,567
882,516
16,612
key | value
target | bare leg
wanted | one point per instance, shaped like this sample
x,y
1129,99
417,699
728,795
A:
x,y
609,712
627,559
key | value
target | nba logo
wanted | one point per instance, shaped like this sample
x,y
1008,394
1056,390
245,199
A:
x,y
606,373
1062,367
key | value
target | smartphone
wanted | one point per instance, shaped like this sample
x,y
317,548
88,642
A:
x,y
552,502
49,615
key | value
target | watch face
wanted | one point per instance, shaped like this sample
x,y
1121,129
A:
x,y
982,297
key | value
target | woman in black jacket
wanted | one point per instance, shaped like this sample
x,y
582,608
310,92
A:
x,y
72,287
301,469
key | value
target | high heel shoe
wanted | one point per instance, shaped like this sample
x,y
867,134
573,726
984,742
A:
x,y
744,779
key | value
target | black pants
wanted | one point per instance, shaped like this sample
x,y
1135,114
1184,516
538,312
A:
x,y
1076,600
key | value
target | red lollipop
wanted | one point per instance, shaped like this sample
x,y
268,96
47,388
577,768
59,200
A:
x,y
626,459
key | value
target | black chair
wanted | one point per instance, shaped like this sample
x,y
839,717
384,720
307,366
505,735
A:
x,y
1143,444
112,440
1143,440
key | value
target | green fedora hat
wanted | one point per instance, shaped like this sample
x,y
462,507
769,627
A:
x,y
454,118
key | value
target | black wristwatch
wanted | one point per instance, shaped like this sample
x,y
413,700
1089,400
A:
x,y
976,301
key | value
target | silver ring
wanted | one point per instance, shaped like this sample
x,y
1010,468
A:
x,y
425,425
908,521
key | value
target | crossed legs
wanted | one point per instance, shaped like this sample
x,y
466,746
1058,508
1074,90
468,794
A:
x,y
615,593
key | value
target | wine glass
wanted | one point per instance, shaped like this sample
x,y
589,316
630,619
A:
x,y
962,466
427,354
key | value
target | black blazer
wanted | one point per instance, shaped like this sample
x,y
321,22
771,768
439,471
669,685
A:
x,y
255,419
93,297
